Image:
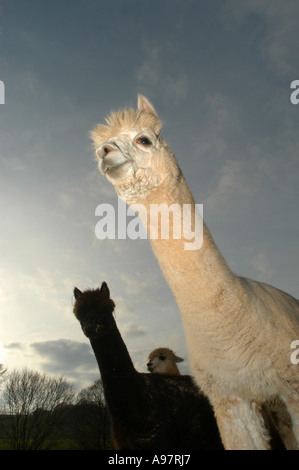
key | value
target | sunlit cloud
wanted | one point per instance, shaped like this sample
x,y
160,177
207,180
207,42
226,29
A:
x,y
2,354
235,180
262,266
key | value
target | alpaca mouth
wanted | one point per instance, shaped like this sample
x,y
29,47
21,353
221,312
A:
x,y
112,162
115,169
109,168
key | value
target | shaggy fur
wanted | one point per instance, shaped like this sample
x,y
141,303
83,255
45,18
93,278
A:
x,y
238,331
148,411
163,361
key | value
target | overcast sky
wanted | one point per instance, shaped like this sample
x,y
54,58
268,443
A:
x,y
219,73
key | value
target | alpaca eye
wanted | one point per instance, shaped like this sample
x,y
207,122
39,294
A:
x,y
162,358
144,141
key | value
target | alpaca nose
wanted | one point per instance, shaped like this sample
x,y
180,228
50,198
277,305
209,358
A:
x,y
104,149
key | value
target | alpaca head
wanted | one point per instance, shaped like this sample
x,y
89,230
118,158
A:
x,y
131,153
94,308
163,361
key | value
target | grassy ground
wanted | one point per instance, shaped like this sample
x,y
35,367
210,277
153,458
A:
x,y
59,444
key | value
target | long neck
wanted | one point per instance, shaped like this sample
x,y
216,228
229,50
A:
x,y
196,276
119,377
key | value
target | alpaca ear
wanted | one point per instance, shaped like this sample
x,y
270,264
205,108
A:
x,y
77,293
143,104
178,359
105,289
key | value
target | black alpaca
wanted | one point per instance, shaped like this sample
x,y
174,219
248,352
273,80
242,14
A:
x,y
148,411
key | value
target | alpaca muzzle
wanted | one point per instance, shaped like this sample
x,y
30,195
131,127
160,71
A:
x,y
92,330
110,156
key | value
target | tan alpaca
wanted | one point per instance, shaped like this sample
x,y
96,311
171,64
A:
x,y
163,361
238,331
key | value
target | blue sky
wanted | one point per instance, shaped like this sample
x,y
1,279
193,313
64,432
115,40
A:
x,y
219,73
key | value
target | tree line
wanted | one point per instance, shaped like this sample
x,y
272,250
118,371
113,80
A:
x,y
38,411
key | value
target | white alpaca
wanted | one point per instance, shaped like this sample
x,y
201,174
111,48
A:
x,y
238,331
163,361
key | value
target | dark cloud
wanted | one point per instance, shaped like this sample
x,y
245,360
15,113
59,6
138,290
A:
x,y
73,359
14,346
132,330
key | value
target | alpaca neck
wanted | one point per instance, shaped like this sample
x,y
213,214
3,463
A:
x,y
119,377
201,273
172,370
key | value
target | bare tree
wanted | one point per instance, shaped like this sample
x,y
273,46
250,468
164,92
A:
x,y
36,405
92,427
